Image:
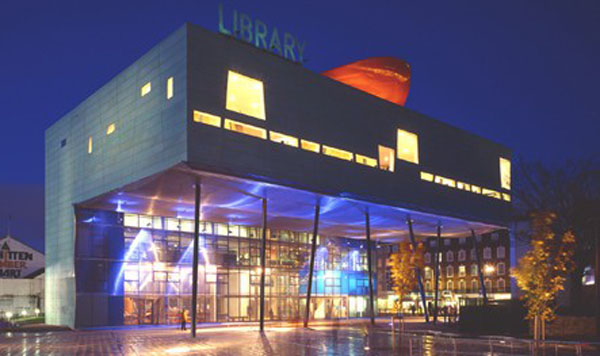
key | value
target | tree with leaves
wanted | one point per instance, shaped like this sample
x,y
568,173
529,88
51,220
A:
x,y
403,269
542,271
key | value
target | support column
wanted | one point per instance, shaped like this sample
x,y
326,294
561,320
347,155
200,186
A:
x,y
370,268
195,255
479,270
313,250
263,265
418,270
437,273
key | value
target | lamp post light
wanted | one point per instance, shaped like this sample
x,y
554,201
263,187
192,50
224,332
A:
x,y
8,315
37,311
489,269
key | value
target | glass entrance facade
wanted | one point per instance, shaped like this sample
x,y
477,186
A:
x,y
141,266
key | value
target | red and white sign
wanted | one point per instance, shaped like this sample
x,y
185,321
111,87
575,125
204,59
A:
x,y
18,260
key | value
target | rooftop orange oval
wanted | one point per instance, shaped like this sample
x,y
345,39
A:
x,y
385,77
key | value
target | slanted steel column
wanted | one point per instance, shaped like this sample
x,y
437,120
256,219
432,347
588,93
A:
x,y
313,250
195,255
370,267
417,270
479,271
437,273
263,254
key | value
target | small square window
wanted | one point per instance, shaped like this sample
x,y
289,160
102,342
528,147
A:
x,y
427,176
63,142
146,88
110,129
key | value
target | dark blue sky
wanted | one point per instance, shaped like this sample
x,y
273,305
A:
x,y
522,73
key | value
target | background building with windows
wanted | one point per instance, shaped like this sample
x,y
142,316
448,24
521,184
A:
x,y
262,146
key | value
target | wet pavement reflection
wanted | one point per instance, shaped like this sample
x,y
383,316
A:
x,y
322,340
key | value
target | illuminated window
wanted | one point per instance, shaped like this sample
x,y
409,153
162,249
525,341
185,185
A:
x,y
90,145
146,88
408,146
427,176
310,146
367,161
506,197
169,87
463,186
475,189
491,193
110,129
505,173
337,153
207,119
245,95
245,129
386,158
445,181
285,139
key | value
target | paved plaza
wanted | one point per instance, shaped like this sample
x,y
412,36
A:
x,y
246,340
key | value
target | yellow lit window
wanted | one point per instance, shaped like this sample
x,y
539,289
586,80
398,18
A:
x,y
463,186
506,197
245,129
245,95
408,146
337,153
367,161
207,119
386,158
110,129
505,173
445,181
427,176
285,139
146,88
169,87
310,146
491,193
475,189
90,145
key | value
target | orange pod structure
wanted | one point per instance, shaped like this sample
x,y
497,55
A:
x,y
385,77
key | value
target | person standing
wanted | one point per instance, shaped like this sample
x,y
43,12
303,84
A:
x,y
183,319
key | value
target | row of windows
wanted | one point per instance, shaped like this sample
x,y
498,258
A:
x,y
452,183
144,90
462,254
462,286
386,154
488,270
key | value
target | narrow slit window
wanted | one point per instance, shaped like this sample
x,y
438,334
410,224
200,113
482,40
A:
x,y
445,181
169,88
282,138
475,189
463,186
427,176
491,193
310,146
207,119
367,161
245,95
90,145
386,158
505,173
337,153
506,197
146,88
245,129
110,129
408,146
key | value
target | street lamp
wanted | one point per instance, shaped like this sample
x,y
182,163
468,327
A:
x,y
8,315
489,269
37,311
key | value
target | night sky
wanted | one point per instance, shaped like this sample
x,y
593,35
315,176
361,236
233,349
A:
x,y
521,73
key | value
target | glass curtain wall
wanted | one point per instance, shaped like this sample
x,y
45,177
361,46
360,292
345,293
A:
x,y
153,273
